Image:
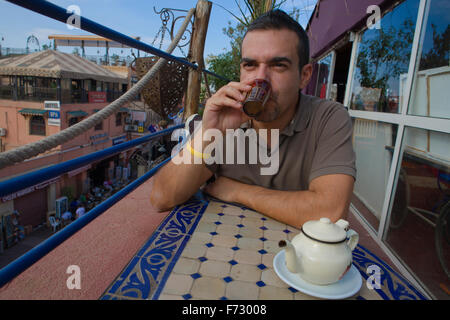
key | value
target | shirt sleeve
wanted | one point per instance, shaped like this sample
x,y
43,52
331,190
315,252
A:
x,y
334,150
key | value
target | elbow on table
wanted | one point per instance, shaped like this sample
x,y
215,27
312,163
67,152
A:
x,y
160,201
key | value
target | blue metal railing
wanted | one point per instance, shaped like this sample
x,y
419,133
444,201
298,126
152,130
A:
x,y
32,178
19,183
55,12
19,265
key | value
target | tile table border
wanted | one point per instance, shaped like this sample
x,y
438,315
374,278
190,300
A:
x,y
148,271
396,287
146,274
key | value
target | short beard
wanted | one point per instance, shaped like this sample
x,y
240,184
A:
x,y
269,115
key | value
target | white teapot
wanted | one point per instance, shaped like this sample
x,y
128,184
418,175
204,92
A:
x,y
321,253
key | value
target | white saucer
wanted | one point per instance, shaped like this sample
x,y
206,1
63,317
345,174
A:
x,y
349,285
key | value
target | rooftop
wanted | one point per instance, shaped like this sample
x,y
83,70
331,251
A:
x,y
56,64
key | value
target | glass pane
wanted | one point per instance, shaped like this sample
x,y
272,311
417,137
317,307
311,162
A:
x,y
373,143
383,60
432,79
418,226
323,76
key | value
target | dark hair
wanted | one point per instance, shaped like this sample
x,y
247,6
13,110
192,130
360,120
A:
x,y
278,19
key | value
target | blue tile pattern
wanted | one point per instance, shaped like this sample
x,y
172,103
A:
x,y
147,272
398,288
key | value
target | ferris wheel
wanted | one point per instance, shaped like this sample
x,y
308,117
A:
x,y
32,41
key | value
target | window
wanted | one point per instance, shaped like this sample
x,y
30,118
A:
x,y
37,125
430,94
73,120
99,126
383,59
324,77
373,143
417,229
118,119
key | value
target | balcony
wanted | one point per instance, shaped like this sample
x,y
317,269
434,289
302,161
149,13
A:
x,y
41,94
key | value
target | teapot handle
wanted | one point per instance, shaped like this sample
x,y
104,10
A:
x,y
353,239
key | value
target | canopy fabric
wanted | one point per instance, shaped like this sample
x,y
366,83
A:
x,y
332,19
78,113
33,112
56,64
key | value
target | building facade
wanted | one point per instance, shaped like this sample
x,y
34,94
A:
x,y
388,63
42,94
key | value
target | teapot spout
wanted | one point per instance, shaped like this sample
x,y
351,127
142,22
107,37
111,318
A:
x,y
292,260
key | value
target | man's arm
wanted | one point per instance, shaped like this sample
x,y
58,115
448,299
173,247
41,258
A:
x,y
327,196
176,182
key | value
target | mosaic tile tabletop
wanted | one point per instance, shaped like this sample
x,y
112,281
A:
x,y
207,249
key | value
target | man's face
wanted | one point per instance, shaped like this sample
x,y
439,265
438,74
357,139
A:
x,y
272,55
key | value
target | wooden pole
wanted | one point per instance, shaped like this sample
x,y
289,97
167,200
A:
x,y
201,20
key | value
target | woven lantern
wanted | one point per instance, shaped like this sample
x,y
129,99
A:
x,y
164,92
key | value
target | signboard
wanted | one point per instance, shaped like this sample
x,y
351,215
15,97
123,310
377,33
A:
x,y
28,190
119,140
54,114
96,96
99,138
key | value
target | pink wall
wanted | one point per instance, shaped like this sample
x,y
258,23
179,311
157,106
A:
x,y
18,129
17,125
109,125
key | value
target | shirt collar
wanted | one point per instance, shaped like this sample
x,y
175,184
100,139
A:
x,y
301,118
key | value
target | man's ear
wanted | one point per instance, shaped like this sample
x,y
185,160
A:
x,y
305,75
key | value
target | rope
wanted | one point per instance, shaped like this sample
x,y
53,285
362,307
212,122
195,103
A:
x,y
32,149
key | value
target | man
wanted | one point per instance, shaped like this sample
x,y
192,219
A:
x,y
316,160
80,211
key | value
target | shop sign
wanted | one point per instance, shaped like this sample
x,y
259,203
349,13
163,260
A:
x,y
99,138
28,190
96,96
54,115
119,140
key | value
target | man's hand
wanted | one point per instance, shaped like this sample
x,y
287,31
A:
x,y
224,109
224,189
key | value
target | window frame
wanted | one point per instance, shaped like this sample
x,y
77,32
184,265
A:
x,y
403,120
42,128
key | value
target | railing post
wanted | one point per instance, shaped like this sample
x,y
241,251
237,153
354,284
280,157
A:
x,y
201,20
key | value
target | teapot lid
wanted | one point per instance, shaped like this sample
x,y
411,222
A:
x,y
324,230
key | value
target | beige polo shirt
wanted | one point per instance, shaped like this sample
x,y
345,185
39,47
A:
x,y
317,142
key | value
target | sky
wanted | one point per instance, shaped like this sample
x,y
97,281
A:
x,y
130,17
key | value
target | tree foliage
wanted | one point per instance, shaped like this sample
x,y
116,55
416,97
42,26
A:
x,y
384,55
227,64
438,55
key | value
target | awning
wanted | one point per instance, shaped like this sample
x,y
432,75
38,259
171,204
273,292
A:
x,y
33,112
78,113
